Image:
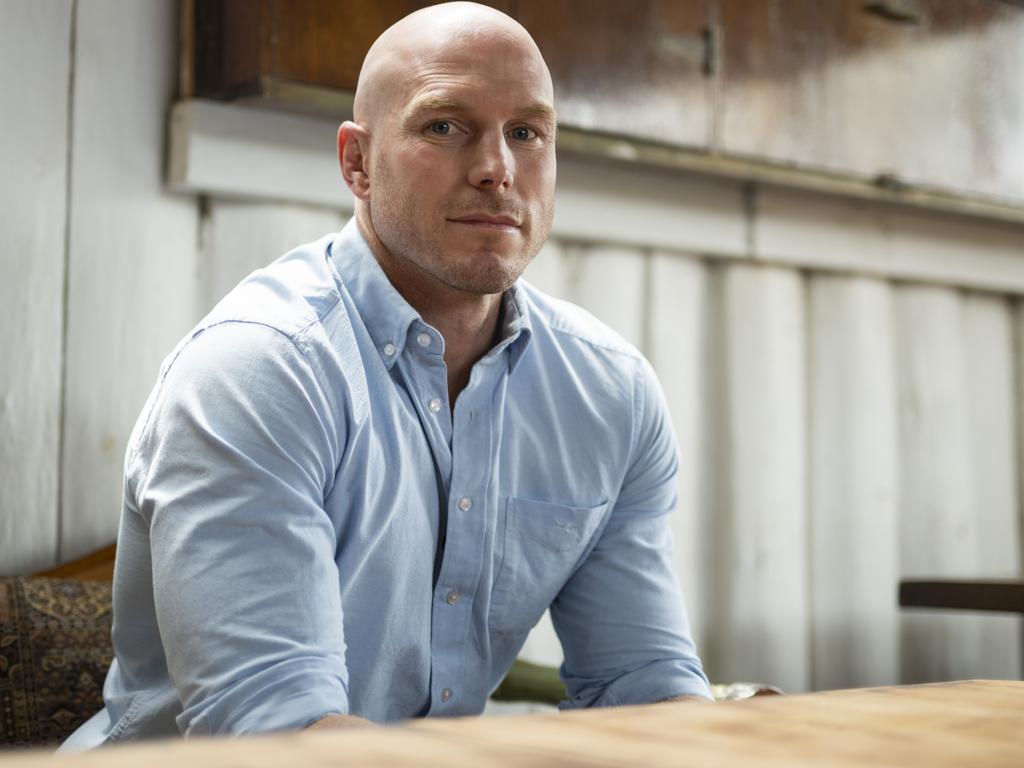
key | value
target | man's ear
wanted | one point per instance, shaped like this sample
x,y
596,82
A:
x,y
353,141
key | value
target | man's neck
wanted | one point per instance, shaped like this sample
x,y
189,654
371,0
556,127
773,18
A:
x,y
469,332
468,322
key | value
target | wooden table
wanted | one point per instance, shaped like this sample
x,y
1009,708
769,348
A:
x,y
974,723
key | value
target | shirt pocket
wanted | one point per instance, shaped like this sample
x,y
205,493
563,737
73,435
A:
x,y
541,545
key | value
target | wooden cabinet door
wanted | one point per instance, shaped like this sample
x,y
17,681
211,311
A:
x,y
240,44
927,92
923,92
636,68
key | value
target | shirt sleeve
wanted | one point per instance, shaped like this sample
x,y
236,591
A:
x,y
621,617
231,470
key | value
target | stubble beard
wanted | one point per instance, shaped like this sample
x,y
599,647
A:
x,y
394,220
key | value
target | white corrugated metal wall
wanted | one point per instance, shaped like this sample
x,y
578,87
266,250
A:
x,y
844,379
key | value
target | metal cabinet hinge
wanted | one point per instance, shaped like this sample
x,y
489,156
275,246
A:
x,y
701,49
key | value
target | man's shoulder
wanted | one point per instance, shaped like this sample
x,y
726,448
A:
x,y
263,345
296,291
274,320
570,326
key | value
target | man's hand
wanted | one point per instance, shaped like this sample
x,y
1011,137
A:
x,y
685,698
339,721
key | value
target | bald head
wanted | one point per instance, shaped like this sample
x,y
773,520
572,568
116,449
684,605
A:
x,y
434,37
451,156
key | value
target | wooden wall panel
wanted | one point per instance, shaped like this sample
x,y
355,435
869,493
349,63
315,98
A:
x,y
239,237
936,497
991,377
547,271
132,261
684,350
854,473
611,283
950,351
34,39
831,85
761,629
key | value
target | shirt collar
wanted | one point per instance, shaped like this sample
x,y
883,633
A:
x,y
516,329
390,319
385,313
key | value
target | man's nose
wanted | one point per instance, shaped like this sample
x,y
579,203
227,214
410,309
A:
x,y
492,163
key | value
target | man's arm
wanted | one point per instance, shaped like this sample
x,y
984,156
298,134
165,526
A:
x,y
230,474
621,618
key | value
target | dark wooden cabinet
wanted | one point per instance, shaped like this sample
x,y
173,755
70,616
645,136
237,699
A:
x,y
907,92
925,92
242,45
631,68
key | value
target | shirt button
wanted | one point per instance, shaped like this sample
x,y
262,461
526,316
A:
x,y
434,405
423,339
389,349
452,597
465,503
446,694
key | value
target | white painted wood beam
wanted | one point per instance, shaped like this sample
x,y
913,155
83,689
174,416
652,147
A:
x,y
688,363
610,283
940,531
132,261
34,71
992,401
762,628
548,268
854,447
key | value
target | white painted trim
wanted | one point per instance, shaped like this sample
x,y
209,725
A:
x,y
231,151
824,233
246,152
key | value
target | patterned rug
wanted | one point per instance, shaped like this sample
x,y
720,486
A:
x,y
54,654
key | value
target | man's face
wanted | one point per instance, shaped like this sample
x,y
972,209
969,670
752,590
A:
x,y
463,168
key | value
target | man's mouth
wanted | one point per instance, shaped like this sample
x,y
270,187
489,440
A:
x,y
487,221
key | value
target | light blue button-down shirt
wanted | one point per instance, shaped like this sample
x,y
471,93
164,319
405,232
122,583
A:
x,y
296,473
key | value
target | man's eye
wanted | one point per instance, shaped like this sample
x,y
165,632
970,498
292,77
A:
x,y
522,133
441,128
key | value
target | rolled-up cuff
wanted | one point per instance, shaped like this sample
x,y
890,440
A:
x,y
648,684
287,696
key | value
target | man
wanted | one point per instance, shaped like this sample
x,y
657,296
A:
x,y
361,480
